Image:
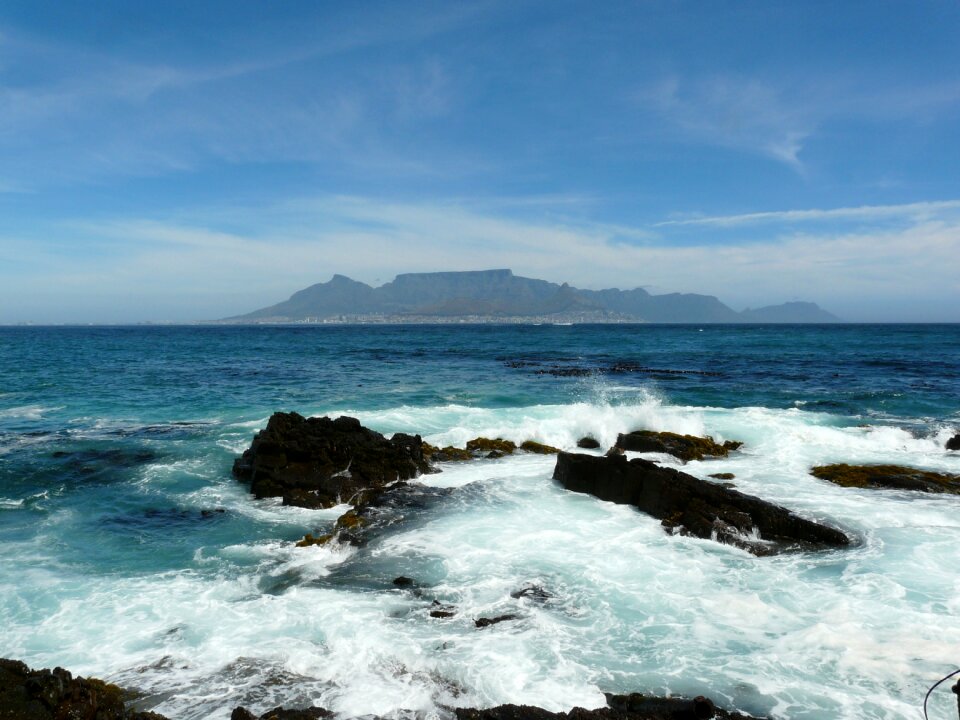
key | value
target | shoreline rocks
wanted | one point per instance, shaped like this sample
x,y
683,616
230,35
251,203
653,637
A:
x,y
893,477
954,442
319,462
689,505
685,447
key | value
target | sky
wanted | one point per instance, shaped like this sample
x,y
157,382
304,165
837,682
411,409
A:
x,y
182,161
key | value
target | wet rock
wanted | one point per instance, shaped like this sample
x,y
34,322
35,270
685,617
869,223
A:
x,y
27,694
539,448
377,509
692,506
403,581
486,445
279,713
319,462
888,476
532,592
588,443
619,707
685,447
441,611
723,476
954,442
309,540
447,454
487,622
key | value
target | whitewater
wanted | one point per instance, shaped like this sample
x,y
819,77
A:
x,y
130,552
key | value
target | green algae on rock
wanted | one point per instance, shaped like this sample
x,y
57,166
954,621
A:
x,y
895,477
685,447
539,448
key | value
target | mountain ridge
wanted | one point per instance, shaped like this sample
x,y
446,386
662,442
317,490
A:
x,y
499,295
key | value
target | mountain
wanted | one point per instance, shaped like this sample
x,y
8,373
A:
x,y
499,294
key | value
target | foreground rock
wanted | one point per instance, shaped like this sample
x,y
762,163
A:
x,y
279,713
685,447
619,707
692,506
319,462
954,442
27,694
888,476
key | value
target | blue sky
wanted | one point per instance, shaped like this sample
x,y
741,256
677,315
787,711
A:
x,y
186,161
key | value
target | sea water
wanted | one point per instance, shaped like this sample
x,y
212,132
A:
x,y
129,552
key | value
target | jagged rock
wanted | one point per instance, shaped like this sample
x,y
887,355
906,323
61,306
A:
x,y
446,454
532,592
588,443
619,707
319,462
539,448
685,447
888,476
954,442
487,622
27,694
689,505
278,713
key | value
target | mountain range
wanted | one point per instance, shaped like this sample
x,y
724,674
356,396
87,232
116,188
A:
x,y
499,295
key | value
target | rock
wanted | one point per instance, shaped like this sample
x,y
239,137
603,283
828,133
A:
x,y
309,540
27,694
482,445
447,454
532,592
319,462
442,614
487,622
685,447
689,505
588,443
619,707
314,713
954,442
888,476
723,476
403,581
540,448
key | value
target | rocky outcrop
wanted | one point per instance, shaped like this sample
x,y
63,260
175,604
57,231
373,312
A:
x,y
319,462
27,694
619,707
685,447
954,442
888,476
692,506
482,447
279,713
533,446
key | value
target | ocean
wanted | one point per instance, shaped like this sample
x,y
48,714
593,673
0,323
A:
x,y
130,553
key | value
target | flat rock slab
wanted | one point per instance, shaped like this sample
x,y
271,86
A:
x,y
320,462
685,447
893,477
692,506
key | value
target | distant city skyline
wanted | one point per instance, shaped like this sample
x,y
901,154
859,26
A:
x,y
173,162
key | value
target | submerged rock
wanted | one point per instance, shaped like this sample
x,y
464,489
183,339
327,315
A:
x,y
588,443
954,442
27,694
689,505
487,622
319,462
888,476
685,447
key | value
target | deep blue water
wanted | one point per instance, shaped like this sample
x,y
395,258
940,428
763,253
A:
x,y
115,452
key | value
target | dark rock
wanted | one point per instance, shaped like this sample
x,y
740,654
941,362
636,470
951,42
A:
x,y
482,445
319,462
377,509
689,505
403,581
619,707
487,622
723,476
27,694
447,454
588,443
954,442
442,614
532,592
278,713
539,448
685,447
888,476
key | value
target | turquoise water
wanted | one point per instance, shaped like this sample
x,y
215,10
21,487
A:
x,y
115,454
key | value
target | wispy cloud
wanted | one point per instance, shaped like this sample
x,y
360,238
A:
x,y
915,211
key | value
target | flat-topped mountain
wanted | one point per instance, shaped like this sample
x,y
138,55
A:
x,y
491,295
